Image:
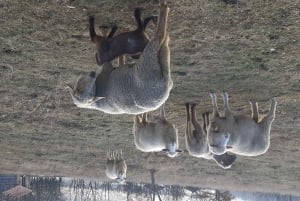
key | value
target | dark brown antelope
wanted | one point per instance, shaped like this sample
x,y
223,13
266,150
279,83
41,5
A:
x,y
132,42
196,138
239,134
131,89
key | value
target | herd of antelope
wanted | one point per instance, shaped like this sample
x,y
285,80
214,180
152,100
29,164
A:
x,y
145,86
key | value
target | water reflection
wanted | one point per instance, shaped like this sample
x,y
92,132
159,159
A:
x,y
68,189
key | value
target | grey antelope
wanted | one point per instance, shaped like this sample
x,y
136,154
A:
x,y
196,138
131,89
157,135
116,166
241,135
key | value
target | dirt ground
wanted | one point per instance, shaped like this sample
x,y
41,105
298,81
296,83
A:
x,y
250,49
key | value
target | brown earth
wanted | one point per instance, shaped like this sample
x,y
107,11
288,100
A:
x,y
250,49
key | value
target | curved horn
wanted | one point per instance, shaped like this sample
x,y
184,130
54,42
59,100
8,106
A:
x,y
70,89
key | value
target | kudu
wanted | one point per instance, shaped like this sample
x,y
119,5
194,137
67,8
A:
x,y
131,89
196,138
239,134
116,166
132,42
157,135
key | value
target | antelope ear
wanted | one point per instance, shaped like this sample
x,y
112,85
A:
x,y
179,151
70,88
165,150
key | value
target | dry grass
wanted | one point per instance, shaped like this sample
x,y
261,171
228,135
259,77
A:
x,y
250,49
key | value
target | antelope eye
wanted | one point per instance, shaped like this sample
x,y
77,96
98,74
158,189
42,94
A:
x,y
92,74
214,127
